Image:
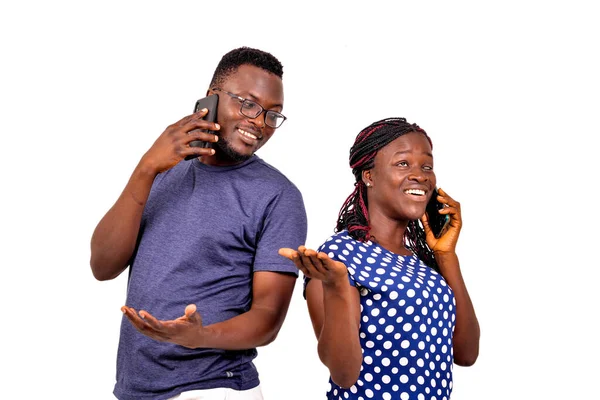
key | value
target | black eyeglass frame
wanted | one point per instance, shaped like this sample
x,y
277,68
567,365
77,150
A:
x,y
262,109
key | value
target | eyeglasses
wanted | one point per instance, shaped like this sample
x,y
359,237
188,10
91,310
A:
x,y
252,109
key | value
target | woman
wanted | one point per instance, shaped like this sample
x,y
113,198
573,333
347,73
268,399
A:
x,y
387,300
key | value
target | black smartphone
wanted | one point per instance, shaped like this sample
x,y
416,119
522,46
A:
x,y
211,103
437,221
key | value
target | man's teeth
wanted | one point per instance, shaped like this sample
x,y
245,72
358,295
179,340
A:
x,y
248,134
417,192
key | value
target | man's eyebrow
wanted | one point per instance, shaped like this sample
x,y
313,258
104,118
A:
x,y
256,99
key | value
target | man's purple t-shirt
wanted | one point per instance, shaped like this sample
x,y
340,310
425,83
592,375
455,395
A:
x,y
204,231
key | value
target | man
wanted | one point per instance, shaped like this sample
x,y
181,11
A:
x,y
206,284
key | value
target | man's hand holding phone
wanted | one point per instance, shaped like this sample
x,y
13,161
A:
x,y
173,145
208,103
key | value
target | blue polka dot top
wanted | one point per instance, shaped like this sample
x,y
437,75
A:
x,y
407,320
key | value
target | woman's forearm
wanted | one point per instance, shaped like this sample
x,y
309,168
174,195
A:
x,y
466,330
339,346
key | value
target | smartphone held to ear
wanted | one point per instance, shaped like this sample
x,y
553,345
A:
x,y
437,222
210,103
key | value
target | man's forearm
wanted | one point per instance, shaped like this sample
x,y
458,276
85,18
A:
x,y
113,241
255,328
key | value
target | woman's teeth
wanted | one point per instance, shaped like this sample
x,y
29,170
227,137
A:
x,y
417,192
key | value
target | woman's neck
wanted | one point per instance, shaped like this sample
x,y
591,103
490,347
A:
x,y
388,233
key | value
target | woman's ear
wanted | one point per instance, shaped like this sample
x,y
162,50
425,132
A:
x,y
366,178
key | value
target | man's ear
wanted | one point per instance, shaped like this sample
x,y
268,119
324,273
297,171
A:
x,y
366,178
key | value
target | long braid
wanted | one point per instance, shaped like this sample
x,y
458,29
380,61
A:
x,y
414,239
353,215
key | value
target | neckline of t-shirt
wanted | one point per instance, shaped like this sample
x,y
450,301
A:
x,y
383,249
212,168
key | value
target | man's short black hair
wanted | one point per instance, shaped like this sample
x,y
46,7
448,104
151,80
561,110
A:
x,y
245,55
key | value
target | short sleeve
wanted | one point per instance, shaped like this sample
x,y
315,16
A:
x,y
284,225
332,249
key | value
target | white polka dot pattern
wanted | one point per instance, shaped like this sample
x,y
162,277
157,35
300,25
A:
x,y
407,320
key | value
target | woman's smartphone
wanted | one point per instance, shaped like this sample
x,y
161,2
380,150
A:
x,y
210,102
437,221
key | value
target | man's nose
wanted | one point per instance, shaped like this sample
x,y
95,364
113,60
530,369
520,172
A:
x,y
259,120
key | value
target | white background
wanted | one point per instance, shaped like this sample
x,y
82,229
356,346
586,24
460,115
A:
x,y
508,91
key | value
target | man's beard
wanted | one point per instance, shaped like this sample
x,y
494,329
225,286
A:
x,y
229,153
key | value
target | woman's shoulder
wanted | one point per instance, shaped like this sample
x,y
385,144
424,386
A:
x,y
339,242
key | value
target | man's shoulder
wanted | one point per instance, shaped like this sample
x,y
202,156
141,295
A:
x,y
269,174
259,163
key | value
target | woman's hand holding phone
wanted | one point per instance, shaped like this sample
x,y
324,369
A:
x,y
446,242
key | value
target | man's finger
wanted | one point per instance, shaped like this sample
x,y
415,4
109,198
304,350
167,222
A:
x,y
191,313
150,321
